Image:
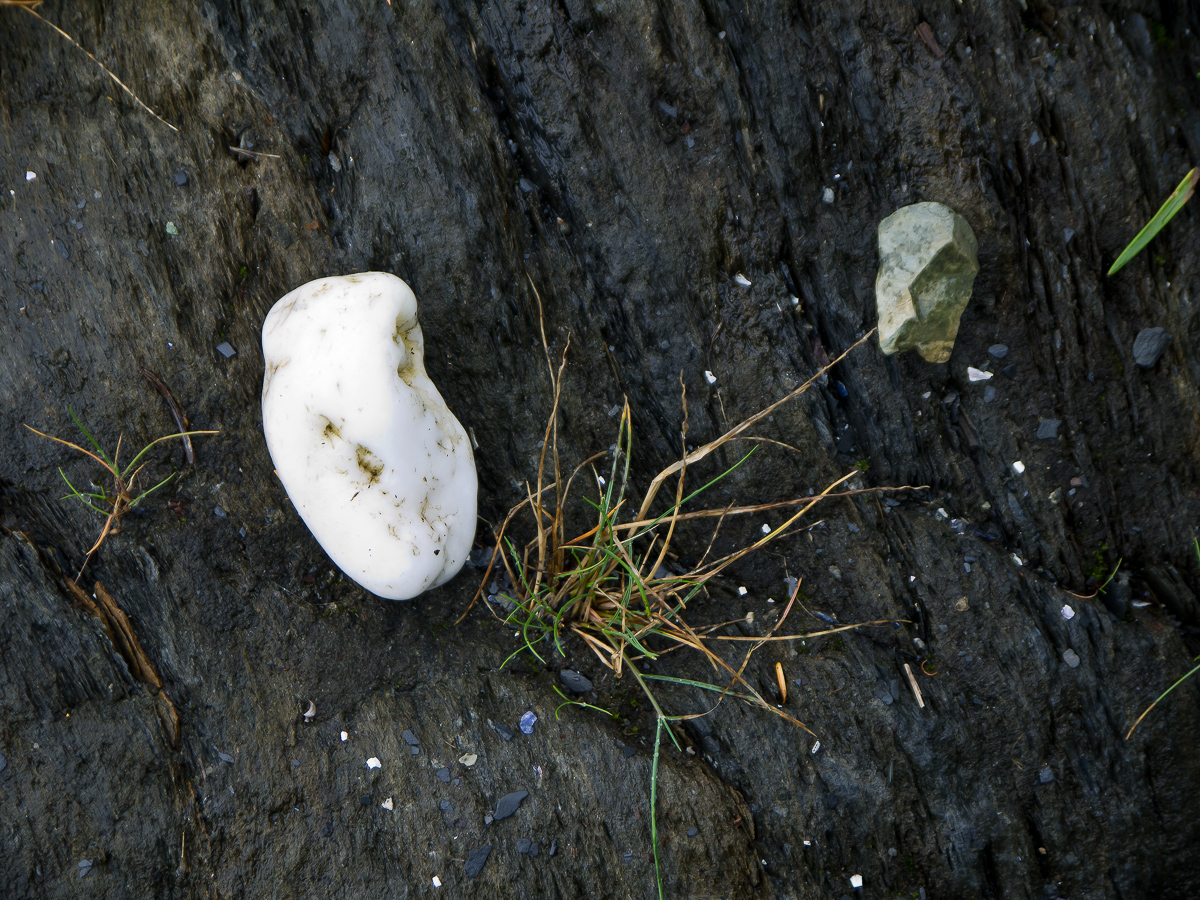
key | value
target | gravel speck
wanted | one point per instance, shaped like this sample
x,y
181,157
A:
x,y
628,751
1149,346
504,731
476,859
1048,429
1046,775
574,682
410,738
508,804
1071,658
226,350
181,178
999,351
693,831
443,775
527,722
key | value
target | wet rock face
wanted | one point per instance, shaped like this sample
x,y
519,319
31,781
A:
x,y
927,267
474,150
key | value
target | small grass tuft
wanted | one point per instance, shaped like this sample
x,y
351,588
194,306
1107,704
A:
x,y
613,586
125,493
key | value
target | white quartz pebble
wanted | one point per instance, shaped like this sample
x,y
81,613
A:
x,y
369,454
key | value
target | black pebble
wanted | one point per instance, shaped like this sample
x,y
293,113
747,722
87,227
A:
x,y
3,762
487,820
553,847
692,832
533,851
523,846
1048,429
628,751
574,681
365,799
443,775
476,860
629,856
1046,775
998,350
444,806
410,738
1149,345
504,731
508,804
181,178
415,750
1010,370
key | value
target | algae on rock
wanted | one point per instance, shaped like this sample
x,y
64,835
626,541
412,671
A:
x,y
927,267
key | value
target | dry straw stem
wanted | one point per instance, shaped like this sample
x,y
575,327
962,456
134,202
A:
x,y
29,5
609,587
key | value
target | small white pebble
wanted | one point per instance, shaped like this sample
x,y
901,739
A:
x,y
345,737
975,374
1018,560
469,759
387,804
856,881
742,592
766,528
808,843
816,746
29,176
827,195
795,300
1067,612
1018,467
710,377
742,279
374,763
437,882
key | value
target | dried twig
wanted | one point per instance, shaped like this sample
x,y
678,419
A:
x,y
29,8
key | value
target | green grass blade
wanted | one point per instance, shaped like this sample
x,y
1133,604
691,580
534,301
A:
x,y
1166,212
653,802
92,441
76,494
144,494
571,702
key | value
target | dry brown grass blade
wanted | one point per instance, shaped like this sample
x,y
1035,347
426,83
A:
x,y
28,7
128,644
700,452
72,446
810,634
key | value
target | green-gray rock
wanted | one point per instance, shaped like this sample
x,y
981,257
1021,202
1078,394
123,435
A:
x,y
927,267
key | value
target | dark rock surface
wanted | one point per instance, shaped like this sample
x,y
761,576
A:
x,y
628,160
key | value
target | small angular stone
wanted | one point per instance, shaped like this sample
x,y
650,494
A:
x,y
476,859
181,178
1149,345
1048,429
443,775
523,846
226,350
574,682
504,731
999,351
508,804
927,268
410,738
1071,658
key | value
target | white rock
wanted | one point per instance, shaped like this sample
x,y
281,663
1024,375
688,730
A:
x,y
373,763
856,881
370,456
1019,467
975,374
387,804
710,377
927,268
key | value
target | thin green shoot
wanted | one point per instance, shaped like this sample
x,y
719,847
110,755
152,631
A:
x,y
654,805
1166,212
570,701
1189,674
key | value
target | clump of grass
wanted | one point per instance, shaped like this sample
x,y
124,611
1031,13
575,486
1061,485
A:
x,y
1166,212
125,493
610,586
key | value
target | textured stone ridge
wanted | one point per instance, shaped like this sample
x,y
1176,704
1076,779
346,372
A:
x,y
927,267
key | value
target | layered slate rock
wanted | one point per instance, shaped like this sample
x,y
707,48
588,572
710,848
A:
x,y
927,267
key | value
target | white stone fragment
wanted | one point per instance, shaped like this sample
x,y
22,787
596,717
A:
x,y
345,737
1019,467
927,268
30,176
975,374
374,763
742,592
369,454
437,882
815,747
856,881
1067,612
469,759
710,377
742,279
387,804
